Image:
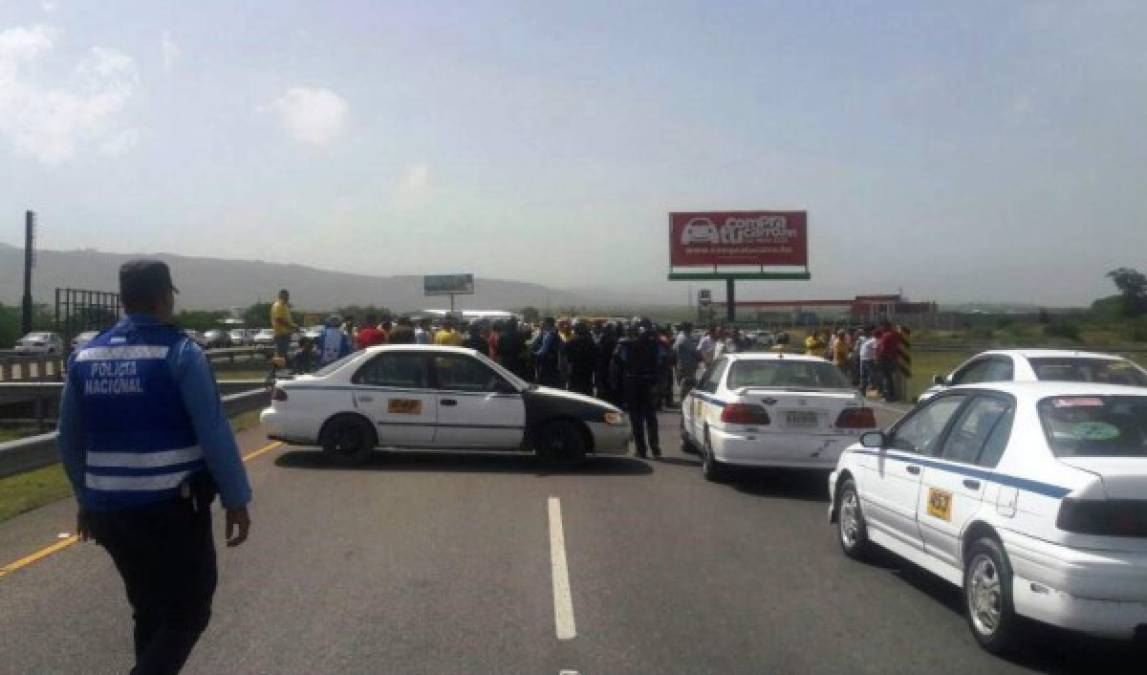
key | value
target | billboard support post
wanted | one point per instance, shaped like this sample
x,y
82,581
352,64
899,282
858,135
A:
x,y
730,300
29,261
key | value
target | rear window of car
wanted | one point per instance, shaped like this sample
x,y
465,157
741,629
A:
x,y
1106,371
1095,426
787,373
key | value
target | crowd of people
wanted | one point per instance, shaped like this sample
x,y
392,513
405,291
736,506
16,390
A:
x,y
876,358
637,365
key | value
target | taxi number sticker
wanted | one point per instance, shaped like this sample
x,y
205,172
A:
x,y
698,407
404,406
940,504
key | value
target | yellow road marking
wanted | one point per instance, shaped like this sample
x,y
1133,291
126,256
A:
x,y
42,553
266,448
64,543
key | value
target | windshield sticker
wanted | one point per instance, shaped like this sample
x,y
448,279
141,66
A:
x,y
1078,402
1095,431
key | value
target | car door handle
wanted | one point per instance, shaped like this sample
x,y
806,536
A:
x,y
448,401
913,469
971,484
365,399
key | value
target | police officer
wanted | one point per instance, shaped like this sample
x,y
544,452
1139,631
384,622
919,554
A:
x,y
146,447
639,361
546,351
581,357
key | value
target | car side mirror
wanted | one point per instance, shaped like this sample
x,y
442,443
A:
x,y
873,439
940,380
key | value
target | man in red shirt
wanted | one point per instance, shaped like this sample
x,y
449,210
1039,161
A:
x,y
887,353
369,335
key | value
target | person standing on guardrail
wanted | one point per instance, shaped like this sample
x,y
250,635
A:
x,y
146,447
282,323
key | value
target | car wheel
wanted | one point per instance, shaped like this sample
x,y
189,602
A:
x,y
988,596
711,469
850,525
687,446
348,440
560,443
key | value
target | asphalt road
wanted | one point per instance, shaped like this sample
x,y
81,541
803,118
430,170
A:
x,y
444,564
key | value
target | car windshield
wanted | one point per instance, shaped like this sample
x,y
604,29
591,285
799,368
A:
x,y
1107,371
335,365
788,373
1095,426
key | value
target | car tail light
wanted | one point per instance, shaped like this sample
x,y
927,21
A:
x,y
1110,518
278,394
744,413
856,418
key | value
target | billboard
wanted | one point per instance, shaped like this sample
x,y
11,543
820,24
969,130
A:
x,y
766,238
448,284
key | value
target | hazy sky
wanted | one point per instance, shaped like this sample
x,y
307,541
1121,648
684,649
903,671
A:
x,y
961,150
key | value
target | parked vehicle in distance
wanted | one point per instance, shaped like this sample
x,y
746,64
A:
x,y
1031,497
40,342
217,338
239,337
1040,365
83,338
764,409
312,332
264,338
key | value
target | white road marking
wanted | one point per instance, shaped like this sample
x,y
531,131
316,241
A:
x,y
563,602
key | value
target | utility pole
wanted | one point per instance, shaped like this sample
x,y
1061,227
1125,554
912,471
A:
x,y
29,260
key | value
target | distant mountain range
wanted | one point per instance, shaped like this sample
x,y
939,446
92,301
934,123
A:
x,y
211,283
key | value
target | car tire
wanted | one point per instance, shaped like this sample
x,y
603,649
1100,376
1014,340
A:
x,y
988,597
348,440
851,528
711,469
687,445
560,443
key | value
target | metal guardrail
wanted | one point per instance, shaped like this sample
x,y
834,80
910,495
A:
x,y
45,397
50,367
35,452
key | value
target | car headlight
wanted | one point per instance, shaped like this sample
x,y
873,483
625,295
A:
x,y
615,418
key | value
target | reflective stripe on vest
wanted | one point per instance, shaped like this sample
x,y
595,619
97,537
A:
x,y
145,460
166,481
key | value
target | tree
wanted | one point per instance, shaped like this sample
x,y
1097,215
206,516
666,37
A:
x,y
1132,285
258,314
530,314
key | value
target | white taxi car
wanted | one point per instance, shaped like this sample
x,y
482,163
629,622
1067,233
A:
x,y
1031,497
1039,365
767,409
422,396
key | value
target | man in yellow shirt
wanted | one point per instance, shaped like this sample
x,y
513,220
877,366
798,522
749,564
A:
x,y
813,345
448,336
282,323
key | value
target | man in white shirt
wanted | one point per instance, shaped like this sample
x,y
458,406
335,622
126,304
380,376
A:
x,y
867,349
708,347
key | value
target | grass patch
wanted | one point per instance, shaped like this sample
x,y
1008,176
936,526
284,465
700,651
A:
x,y
33,489
245,421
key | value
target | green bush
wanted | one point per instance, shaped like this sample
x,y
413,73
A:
x,y
1063,329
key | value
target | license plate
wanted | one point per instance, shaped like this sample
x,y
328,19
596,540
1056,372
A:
x,y
800,418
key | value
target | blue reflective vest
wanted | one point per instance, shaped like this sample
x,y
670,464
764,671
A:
x,y
140,444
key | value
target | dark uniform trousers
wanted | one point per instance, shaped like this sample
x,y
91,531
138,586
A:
x,y
641,402
166,556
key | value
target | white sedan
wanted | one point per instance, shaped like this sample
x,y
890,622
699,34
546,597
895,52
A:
x,y
1036,365
1031,497
40,343
758,409
426,397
